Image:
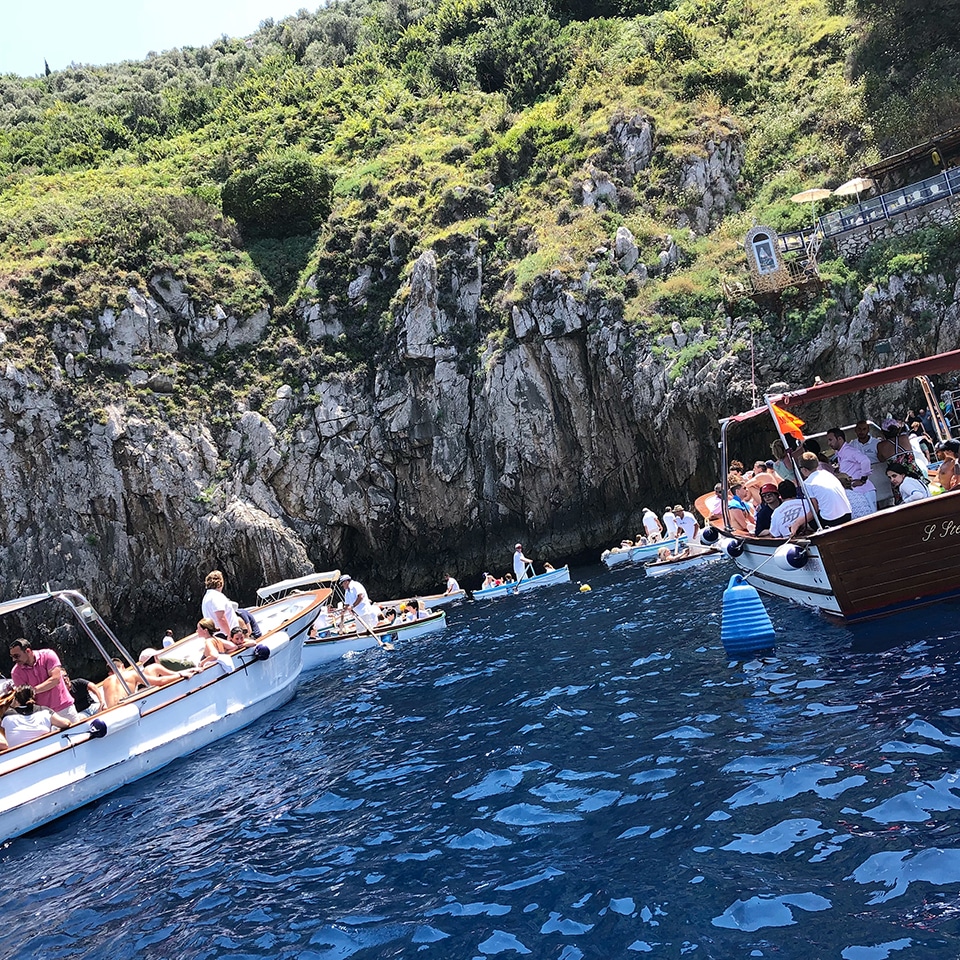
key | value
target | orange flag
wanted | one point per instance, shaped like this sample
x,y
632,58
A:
x,y
788,423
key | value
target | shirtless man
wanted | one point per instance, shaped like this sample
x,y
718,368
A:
x,y
763,473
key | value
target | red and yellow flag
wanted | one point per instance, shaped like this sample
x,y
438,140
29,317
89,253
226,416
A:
x,y
788,423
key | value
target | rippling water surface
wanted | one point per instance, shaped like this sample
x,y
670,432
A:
x,y
559,775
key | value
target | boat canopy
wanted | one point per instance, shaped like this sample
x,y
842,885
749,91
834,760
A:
x,y
928,366
297,583
12,606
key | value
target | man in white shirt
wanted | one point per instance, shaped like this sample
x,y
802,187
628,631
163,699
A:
x,y
452,585
686,523
827,494
356,601
520,563
790,508
651,525
215,604
866,444
669,524
856,465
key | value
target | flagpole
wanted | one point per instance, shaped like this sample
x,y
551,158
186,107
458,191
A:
x,y
775,412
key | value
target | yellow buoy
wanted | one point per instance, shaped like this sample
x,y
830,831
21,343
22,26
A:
x,y
585,588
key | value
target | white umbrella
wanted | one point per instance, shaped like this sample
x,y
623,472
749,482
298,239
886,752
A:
x,y
856,185
812,196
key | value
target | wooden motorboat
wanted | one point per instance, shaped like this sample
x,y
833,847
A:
x,y
63,770
887,561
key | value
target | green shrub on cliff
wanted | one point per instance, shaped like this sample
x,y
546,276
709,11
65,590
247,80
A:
x,y
283,196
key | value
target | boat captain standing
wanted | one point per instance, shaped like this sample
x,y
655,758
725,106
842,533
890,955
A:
x,y
520,563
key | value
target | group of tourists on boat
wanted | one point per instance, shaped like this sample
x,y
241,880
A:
x,y
861,473
41,696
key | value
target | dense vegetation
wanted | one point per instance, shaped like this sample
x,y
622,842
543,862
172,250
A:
x,y
370,130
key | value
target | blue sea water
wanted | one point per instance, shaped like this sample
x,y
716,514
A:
x,y
565,775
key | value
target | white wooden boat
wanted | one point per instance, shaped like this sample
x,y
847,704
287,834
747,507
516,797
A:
x,y
331,645
693,557
891,560
641,554
63,770
548,579
430,601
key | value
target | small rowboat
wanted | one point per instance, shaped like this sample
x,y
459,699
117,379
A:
x,y
431,602
331,643
693,556
647,551
548,579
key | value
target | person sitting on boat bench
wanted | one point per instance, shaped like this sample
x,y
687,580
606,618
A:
x,y
769,501
948,473
389,617
41,670
788,510
86,696
906,489
113,690
214,642
741,517
26,719
829,499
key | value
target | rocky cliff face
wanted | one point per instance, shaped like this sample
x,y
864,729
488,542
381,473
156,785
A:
x,y
556,428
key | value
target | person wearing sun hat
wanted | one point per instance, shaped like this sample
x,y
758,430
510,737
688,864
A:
x,y
520,563
769,501
357,602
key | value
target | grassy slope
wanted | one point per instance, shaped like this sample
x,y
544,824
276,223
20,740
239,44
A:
x,y
94,201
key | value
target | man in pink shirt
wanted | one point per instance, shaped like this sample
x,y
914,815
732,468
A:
x,y
41,670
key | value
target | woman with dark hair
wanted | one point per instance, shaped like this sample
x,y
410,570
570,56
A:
x,y
25,721
906,489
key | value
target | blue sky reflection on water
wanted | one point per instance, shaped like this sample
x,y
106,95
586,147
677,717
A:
x,y
570,775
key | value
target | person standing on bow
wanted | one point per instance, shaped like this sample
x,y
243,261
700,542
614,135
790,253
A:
x,y
520,563
216,606
356,601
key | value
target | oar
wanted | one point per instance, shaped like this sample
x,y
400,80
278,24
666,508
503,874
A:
x,y
359,621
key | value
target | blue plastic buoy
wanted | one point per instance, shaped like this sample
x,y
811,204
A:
x,y
745,627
